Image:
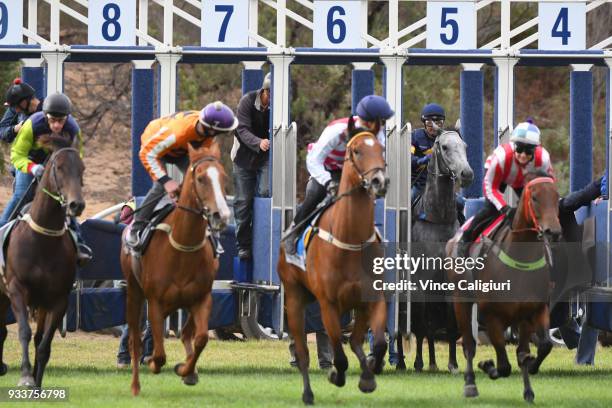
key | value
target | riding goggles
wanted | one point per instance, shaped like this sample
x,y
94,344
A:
x,y
524,148
431,120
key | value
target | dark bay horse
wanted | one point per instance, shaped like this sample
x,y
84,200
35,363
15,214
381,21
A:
x,y
335,274
41,258
520,256
435,223
179,267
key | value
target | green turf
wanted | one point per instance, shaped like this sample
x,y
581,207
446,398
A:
x,y
257,374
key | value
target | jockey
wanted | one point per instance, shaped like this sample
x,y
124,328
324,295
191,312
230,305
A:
x,y
326,157
28,157
423,140
507,166
165,141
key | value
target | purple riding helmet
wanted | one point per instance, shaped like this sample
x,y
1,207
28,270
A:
x,y
218,116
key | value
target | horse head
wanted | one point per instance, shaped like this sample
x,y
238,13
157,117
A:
x,y
450,158
366,156
63,177
539,206
208,180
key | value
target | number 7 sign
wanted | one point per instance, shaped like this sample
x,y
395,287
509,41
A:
x,y
225,23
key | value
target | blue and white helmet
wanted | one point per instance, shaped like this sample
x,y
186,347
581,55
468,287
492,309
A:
x,y
526,133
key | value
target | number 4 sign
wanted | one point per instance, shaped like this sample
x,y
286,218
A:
x,y
562,26
225,23
451,25
112,23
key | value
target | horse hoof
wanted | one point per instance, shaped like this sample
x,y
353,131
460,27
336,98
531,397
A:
x,y
308,398
453,369
178,368
27,381
367,385
375,368
433,368
3,369
418,368
336,378
191,379
401,366
136,390
533,367
470,391
529,396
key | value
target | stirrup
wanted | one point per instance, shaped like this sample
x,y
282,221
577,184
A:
x,y
84,254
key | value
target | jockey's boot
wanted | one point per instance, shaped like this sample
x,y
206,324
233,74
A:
x,y
215,238
290,241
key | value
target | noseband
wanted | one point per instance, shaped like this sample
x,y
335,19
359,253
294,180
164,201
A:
x,y
446,171
528,207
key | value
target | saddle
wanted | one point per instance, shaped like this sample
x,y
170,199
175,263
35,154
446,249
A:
x,y
490,231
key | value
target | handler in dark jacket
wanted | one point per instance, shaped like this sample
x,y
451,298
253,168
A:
x,y
21,103
250,155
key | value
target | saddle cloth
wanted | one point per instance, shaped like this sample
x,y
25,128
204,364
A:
x,y
299,259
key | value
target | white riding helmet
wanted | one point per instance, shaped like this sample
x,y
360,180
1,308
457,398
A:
x,y
526,133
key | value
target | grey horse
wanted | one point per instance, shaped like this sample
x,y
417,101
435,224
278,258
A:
x,y
435,222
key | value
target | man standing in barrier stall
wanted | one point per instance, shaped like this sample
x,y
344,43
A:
x,y
250,156
21,103
29,157
164,142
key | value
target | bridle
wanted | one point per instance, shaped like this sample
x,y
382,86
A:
x,y
528,206
58,195
203,210
446,171
363,181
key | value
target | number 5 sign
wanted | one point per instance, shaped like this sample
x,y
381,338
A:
x,y
562,26
451,25
112,23
337,24
225,23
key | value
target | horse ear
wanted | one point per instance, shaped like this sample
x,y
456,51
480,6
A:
x,y
191,151
351,124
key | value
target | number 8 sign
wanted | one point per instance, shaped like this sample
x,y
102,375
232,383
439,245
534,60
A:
x,y
451,25
225,23
112,23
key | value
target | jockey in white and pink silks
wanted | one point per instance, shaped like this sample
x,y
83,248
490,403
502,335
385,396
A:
x,y
326,157
507,166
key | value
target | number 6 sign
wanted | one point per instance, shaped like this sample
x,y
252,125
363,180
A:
x,y
337,24
112,23
225,23
451,25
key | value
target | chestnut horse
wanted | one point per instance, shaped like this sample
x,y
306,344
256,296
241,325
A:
x,y
179,267
520,256
335,275
41,258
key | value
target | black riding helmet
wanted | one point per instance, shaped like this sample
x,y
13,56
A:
x,y
17,92
57,105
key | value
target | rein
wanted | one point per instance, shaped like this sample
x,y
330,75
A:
x,y
528,207
440,157
203,211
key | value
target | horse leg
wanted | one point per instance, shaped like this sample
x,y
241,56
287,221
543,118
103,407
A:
x,y
525,359
367,383
401,365
187,335
331,321
378,323
418,359
452,336
200,313
156,320
495,330
40,330
20,310
52,319
294,304
4,305
463,315
431,346
544,343
133,311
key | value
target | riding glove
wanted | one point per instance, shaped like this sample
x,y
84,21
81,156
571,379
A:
x,y
37,170
332,187
424,160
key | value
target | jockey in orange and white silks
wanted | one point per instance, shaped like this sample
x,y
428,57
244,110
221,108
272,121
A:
x,y
326,157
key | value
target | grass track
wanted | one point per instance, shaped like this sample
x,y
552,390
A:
x,y
257,374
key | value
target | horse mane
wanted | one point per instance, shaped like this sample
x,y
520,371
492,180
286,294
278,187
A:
x,y
533,174
54,142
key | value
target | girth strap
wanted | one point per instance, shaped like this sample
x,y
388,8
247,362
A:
x,y
180,247
326,236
